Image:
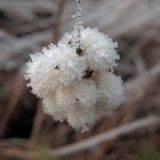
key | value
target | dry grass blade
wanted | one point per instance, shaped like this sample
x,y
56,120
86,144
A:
x,y
14,98
39,118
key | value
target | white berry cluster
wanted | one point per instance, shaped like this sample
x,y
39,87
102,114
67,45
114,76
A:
x,y
76,81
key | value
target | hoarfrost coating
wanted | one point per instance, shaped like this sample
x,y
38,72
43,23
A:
x,y
76,83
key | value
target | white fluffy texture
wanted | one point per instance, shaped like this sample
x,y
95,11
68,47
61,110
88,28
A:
x,y
110,89
81,118
86,93
76,88
64,98
65,105
99,49
54,68
52,108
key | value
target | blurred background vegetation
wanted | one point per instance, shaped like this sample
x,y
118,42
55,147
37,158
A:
x,y
28,25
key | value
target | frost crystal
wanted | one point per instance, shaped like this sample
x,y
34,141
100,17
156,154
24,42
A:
x,y
75,78
110,90
99,50
53,68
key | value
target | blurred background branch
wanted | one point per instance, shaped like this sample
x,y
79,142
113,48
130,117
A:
x,y
28,25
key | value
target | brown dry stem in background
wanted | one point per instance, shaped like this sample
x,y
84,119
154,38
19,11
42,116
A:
x,y
132,132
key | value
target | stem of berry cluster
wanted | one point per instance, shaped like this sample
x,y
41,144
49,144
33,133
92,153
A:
x,y
79,22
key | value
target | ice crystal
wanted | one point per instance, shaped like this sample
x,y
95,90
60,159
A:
x,y
75,78
54,68
110,90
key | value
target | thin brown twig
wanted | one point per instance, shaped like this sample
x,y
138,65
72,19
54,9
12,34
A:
x,y
39,118
139,63
14,98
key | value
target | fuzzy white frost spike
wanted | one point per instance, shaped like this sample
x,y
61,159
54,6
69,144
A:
x,y
81,118
65,99
73,78
86,93
55,67
51,108
99,49
110,90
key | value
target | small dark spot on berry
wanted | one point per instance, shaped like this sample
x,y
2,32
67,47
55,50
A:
x,y
57,67
88,74
79,51
69,42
